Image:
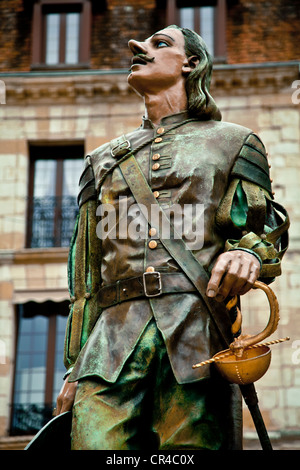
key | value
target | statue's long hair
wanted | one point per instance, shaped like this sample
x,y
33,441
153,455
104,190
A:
x,y
200,103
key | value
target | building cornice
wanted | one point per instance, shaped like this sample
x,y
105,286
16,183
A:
x,y
84,86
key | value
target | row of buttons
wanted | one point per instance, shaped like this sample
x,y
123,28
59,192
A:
x,y
160,130
156,156
152,232
152,243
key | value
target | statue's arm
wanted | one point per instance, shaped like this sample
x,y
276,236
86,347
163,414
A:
x,y
83,280
254,226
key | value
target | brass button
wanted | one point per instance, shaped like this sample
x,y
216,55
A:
x,y
152,232
157,140
155,166
152,244
160,130
150,269
156,194
156,156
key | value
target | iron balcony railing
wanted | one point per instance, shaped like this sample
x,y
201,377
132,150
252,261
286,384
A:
x,y
29,418
51,221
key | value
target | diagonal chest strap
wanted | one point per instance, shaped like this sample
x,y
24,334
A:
x,y
177,248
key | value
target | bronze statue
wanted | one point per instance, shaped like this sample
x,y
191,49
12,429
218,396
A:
x,y
137,322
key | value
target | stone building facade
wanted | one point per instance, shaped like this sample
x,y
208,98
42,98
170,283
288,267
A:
x,y
51,114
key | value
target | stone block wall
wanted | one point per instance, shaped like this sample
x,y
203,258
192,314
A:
x,y
97,109
276,119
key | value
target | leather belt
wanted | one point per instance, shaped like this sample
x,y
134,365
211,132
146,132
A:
x,y
149,284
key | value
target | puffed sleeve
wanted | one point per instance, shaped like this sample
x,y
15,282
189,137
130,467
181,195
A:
x,y
83,269
248,217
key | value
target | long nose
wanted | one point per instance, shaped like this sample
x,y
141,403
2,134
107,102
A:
x,y
137,47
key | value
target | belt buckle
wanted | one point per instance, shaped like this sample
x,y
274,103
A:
x,y
120,149
159,283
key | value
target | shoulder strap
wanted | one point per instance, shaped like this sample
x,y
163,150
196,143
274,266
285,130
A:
x,y
176,246
120,148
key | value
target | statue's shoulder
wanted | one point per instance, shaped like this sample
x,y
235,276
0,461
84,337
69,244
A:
x,y
104,150
224,128
99,152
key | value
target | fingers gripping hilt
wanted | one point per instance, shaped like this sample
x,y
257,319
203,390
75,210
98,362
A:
x,y
244,341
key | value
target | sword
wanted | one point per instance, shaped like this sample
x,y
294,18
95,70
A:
x,y
246,361
250,397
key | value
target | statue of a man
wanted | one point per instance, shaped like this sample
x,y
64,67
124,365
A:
x,y
131,341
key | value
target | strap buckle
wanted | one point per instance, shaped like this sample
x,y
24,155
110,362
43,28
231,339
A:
x,y
150,289
120,149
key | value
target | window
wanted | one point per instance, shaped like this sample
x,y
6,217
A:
x,y
39,365
61,33
201,20
207,18
53,189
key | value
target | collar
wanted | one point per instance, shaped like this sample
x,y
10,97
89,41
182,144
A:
x,y
166,121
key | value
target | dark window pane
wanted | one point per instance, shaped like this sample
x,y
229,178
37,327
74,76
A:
x,y
52,209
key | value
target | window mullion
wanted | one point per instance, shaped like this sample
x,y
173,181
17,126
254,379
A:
x,y
62,38
197,13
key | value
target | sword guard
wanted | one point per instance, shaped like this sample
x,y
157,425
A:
x,y
246,361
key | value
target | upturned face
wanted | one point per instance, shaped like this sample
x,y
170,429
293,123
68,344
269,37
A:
x,y
159,62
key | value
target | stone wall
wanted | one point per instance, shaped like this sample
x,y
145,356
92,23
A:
x,y
95,109
276,119
76,116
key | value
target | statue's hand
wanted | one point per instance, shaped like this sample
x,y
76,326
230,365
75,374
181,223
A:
x,y
233,274
66,397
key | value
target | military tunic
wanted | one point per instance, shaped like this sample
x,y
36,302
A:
x,y
198,163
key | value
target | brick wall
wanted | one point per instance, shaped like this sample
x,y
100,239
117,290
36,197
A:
x,y
257,31
263,31
122,21
15,36
111,30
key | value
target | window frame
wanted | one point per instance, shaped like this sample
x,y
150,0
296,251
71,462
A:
x,y
39,33
44,150
220,50
52,311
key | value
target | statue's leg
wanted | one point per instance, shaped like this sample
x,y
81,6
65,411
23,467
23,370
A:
x,y
113,416
204,415
146,409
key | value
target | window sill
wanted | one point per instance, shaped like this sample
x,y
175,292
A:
x,y
44,67
41,255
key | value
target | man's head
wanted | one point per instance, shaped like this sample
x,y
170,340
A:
x,y
175,54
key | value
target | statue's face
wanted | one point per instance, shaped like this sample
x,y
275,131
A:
x,y
158,62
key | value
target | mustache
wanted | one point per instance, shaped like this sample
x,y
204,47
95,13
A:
x,y
143,57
